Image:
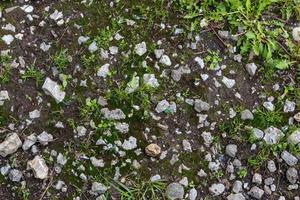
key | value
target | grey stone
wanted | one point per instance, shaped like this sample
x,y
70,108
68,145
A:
x,y
140,49
165,60
93,47
29,141
44,138
237,186
289,106
217,189
237,196
10,145
256,192
81,131
174,191
83,39
54,90
61,159
271,166
231,150
103,71
229,83
294,138
162,106
246,115
289,158
115,114
15,175
122,127
98,188
251,68
200,105
257,178
150,80
257,133
193,194
130,143
272,135
5,169
39,167
292,175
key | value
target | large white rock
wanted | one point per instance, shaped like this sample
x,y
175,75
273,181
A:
x,y
103,71
140,49
8,39
39,167
53,89
272,135
10,145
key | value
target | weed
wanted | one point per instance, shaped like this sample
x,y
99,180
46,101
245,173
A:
x,y
5,70
33,73
264,118
242,173
60,59
212,59
140,190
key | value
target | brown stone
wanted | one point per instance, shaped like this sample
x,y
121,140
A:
x,y
153,150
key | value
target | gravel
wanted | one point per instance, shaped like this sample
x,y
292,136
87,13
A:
x,y
174,191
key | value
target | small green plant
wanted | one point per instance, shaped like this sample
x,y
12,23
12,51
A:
x,y
212,59
103,38
264,118
242,173
35,74
90,108
143,190
5,68
60,59
88,61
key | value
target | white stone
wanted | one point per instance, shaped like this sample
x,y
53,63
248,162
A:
x,y
34,114
27,8
162,106
93,47
45,47
56,15
229,83
10,145
150,80
54,90
44,138
294,138
29,141
83,39
39,167
129,144
140,49
251,68
103,71
115,114
200,62
289,158
8,39
217,189
165,60
272,135
296,34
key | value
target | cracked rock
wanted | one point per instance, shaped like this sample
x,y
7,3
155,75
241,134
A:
x,y
153,150
10,145
54,90
174,191
39,167
272,135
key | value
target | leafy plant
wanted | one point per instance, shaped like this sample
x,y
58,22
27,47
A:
x,y
5,70
60,59
212,59
33,73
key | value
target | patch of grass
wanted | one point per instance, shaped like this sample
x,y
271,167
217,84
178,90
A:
x,y
5,68
60,59
263,119
212,59
153,190
242,173
35,74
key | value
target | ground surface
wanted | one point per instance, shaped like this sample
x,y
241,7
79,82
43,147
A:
x,y
149,99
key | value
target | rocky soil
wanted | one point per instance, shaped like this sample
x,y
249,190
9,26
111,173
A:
x,y
147,100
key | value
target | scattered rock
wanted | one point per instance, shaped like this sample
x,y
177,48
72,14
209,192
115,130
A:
x,y
153,150
246,115
54,90
29,141
130,143
237,196
174,191
251,68
200,105
10,145
289,158
256,192
44,138
231,150
116,114
162,106
103,71
229,83
257,133
294,138
292,175
165,60
193,194
140,49
150,80
289,106
39,167
272,135
296,34
98,188
8,39
217,189
15,175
